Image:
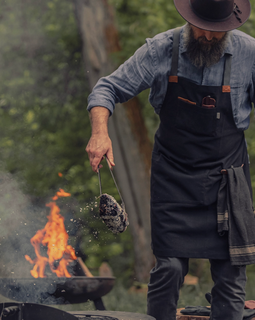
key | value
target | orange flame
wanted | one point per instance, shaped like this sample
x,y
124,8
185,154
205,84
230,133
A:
x,y
55,237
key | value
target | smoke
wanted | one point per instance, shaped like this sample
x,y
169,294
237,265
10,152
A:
x,y
31,290
19,221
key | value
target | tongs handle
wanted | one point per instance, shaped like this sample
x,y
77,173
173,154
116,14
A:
x,y
100,184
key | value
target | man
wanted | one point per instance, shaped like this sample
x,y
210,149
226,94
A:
x,y
202,80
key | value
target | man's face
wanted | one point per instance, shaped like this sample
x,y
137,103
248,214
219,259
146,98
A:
x,y
206,36
204,48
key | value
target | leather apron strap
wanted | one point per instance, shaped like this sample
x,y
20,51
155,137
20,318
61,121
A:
x,y
175,56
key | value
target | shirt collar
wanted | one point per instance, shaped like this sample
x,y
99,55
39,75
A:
x,y
228,49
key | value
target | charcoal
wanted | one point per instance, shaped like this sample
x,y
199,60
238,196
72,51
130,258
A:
x,y
112,214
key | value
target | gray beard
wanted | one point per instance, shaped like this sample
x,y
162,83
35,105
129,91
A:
x,y
203,53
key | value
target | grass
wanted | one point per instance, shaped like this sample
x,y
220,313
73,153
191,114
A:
x,y
119,299
123,299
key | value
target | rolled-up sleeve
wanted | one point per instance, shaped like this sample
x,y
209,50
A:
x,y
132,77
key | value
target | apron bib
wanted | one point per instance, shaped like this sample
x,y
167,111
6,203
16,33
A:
x,y
194,142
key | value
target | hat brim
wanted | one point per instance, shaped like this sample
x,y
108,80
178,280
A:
x,y
185,10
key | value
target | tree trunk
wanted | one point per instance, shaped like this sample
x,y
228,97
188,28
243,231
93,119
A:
x,y
131,145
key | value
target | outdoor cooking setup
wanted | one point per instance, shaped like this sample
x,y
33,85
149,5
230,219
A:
x,y
58,277
61,277
77,289
33,298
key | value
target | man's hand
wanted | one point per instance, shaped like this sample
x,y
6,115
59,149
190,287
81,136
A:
x,y
99,144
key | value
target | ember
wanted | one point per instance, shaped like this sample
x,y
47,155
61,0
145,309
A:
x,y
55,237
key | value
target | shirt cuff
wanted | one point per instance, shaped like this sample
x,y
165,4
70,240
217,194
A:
x,y
104,104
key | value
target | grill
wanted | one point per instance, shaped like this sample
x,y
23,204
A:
x,y
36,295
56,290
31,298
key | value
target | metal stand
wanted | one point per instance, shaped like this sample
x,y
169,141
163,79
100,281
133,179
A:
x,y
99,305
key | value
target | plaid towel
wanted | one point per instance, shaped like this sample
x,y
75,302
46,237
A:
x,y
235,215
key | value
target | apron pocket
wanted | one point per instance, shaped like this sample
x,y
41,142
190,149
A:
x,y
173,183
197,120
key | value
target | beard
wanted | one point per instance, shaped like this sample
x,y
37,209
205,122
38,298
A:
x,y
201,52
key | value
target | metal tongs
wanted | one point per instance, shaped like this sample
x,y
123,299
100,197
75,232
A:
x,y
100,184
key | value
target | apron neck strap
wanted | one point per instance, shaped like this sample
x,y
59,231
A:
x,y
175,55
227,70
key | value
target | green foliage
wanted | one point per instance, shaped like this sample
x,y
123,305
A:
x,y
45,125
43,93
138,20
43,118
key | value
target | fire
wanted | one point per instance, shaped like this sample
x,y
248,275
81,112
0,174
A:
x,y
55,237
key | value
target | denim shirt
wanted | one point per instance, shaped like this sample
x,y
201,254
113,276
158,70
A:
x,y
150,67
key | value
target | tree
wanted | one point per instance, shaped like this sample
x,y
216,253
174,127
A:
x,y
127,129
45,127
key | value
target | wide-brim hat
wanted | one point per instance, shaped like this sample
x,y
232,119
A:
x,y
214,15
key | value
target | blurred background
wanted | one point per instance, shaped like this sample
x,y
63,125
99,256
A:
x,y
51,55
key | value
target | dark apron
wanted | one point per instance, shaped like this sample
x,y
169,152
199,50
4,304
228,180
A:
x,y
192,145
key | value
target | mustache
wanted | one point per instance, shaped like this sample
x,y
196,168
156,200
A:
x,y
205,40
201,51
206,45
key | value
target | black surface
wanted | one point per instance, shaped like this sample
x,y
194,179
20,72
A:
x,y
30,311
56,290
110,315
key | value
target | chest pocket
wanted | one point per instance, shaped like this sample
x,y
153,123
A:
x,y
195,119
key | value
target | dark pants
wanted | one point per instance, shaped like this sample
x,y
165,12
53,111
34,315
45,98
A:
x,y
228,292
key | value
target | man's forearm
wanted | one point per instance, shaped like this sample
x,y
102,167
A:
x,y
99,144
99,120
